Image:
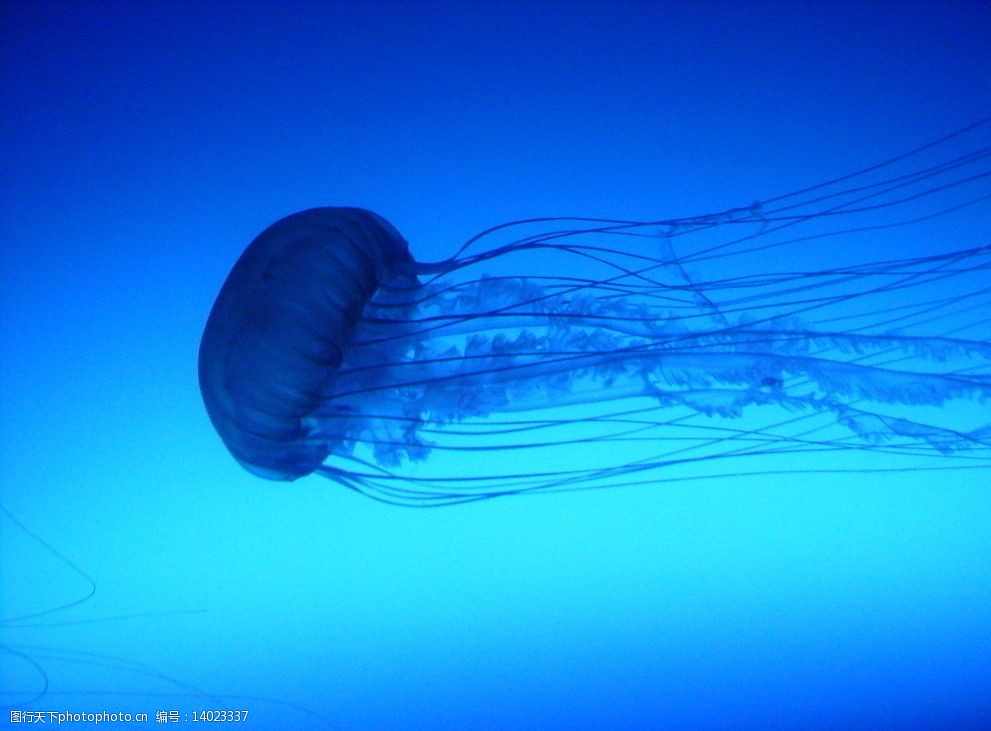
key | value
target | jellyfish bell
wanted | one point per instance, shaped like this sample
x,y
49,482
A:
x,y
559,354
280,327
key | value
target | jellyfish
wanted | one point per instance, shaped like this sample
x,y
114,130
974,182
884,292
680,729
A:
x,y
834,328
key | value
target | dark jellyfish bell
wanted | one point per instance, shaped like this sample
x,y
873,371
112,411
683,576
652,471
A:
x,y
281,325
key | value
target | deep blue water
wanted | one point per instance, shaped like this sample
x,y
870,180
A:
x,y
145,145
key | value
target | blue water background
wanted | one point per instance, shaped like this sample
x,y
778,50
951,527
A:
x,y
144,144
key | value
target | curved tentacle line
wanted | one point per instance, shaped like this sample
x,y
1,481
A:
x,y
26,675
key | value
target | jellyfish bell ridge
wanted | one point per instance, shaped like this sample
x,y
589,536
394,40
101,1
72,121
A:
x,y
281,325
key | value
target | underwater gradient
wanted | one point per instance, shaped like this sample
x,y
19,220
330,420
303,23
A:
x,y
844,586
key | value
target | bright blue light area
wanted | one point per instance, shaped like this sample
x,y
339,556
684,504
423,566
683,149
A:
x,y
143,147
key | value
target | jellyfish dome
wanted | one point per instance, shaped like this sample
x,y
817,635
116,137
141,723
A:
x,y
281,326
807,332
